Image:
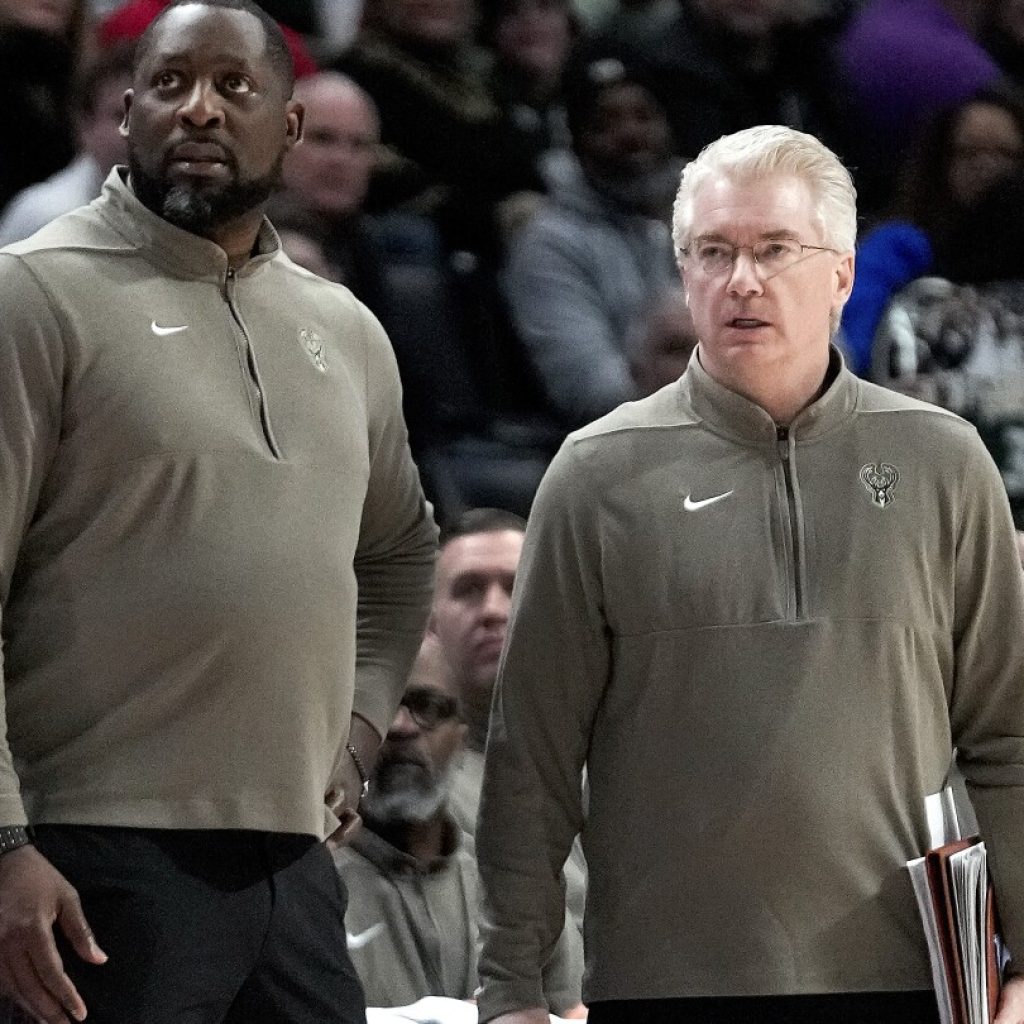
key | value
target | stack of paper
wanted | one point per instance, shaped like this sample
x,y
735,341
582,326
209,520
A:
x,y
955,901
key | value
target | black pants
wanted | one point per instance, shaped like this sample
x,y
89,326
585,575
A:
x,y
848,1008
208,927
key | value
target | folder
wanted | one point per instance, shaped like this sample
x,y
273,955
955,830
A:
x,y
957,907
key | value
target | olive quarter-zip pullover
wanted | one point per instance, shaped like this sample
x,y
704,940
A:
x,y
204,486
764,644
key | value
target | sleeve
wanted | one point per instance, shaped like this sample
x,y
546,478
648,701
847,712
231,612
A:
x,y
987,704
561,317
31,384
562,975
394,561
552,677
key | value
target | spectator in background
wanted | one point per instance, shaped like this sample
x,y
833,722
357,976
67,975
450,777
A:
x,y
476,570
40,43
598,251
662,343
960,154
410,872
100,98
452,160
530,40
455,153
900,63
327,178
722,65
958,340
469,440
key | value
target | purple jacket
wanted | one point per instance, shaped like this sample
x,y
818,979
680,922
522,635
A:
x,y
905,60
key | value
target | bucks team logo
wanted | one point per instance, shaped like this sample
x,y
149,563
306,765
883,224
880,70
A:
x,y
314,346
880,479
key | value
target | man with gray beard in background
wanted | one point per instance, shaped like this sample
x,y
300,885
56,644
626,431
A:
x,y
410,871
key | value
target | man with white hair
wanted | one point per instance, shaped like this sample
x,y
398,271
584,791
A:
x,y
761,606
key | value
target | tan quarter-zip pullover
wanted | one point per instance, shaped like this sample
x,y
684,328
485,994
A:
x,y
205,487
764,645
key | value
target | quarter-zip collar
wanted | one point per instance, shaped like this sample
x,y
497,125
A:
x,y
741,420
390,859
179,252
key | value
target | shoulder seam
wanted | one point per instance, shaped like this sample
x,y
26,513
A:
x,y
577,439
43,290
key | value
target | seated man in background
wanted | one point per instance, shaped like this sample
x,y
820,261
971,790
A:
x,y
327,179
100,146
598,251
476,570
468,410
413,904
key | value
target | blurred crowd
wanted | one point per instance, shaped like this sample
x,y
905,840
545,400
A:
x,y
494,178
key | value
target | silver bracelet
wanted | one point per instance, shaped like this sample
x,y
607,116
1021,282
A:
x,y
364,775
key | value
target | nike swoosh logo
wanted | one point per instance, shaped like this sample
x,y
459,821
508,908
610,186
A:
x,y
692,506
362,938
162,332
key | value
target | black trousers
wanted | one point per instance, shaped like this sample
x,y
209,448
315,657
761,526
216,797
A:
x,y
847,1008
208,927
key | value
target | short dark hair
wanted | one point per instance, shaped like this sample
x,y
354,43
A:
x,y
275,45
587,82
481,520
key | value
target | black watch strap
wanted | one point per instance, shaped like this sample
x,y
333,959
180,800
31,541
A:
x,y
12,837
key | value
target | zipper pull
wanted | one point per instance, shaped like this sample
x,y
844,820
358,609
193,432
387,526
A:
x,y
782,439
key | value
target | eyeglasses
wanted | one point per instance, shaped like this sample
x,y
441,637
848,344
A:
x,y
771,257
429,708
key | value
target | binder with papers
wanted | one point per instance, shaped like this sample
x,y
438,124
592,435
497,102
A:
x,y
955,900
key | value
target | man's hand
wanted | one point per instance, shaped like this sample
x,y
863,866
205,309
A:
x,y
344,800
34,896
1011,1002
578,1012
344,806
349,819
532,1016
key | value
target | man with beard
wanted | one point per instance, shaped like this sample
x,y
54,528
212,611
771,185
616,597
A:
x,y
412,915
206,488
598,252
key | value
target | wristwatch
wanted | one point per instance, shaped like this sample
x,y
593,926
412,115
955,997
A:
x,y
12,837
